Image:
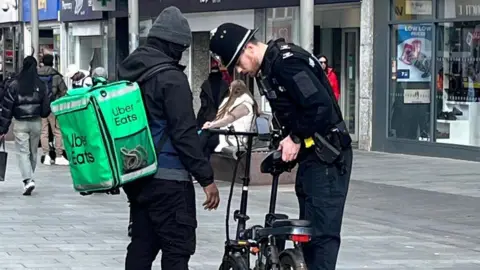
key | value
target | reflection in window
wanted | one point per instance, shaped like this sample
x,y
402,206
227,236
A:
x,y
458,83
409,96
283,23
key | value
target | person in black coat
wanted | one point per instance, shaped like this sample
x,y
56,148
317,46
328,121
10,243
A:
x,y
214,90
163,206
27,101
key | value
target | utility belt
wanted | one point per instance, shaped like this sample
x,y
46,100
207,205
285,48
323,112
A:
x,y
329,148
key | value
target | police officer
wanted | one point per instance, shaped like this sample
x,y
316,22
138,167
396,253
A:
x,y
300,96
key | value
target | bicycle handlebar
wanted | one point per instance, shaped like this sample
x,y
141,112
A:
x,y
231,132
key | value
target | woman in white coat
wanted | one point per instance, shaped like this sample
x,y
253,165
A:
x,y
239,110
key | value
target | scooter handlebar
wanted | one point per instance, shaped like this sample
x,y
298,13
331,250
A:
x,y
232,132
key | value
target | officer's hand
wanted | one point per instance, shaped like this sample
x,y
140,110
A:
x,y
289,149
213,197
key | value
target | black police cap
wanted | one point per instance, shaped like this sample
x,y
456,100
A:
x,y
227,42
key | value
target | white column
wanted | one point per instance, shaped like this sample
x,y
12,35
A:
x,y
307,8
133,21
34,25
366,76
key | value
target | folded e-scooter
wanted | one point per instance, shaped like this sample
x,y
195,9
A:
x,y
266,242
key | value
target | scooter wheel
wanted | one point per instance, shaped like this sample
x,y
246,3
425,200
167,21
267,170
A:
x,y
234,262
292,259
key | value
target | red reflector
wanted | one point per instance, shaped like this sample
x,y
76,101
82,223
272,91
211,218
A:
x,y
301,238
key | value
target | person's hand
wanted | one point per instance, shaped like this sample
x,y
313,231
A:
x,y
2,136
207,125
213,197
289,149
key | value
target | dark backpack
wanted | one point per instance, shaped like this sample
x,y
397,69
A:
x,y
48,80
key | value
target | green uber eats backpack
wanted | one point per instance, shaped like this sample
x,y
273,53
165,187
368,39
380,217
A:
x,y
106,134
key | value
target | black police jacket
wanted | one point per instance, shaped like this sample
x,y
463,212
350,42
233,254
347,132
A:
x,y
298,90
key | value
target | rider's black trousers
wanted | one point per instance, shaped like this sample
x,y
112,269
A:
x,y
322,192
164,218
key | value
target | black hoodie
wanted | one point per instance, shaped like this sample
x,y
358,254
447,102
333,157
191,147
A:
x,y
167,96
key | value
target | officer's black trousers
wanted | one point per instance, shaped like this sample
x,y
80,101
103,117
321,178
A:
x,y
164,218
321,193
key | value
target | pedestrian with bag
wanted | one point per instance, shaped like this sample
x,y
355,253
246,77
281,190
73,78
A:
x,y
163,206
57,87
301,98
27,101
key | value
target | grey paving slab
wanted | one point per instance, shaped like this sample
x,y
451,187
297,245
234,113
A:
x,y
403,212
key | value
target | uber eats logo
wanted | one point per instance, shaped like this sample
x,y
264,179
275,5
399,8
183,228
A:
x,y
124,115
82,156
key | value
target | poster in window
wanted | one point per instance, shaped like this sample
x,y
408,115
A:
x,y
414,52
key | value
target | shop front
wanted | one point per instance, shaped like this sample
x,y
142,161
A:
x,y
10,37
203,16
86,35
49,27
427,78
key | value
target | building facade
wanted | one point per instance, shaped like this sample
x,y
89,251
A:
x,y
426,78
49,29
10,36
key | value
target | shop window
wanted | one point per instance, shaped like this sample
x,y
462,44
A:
x,y
458,83
459,9
403,10
283,23
410,87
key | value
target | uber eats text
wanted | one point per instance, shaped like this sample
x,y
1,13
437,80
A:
x,y
124,115
82,156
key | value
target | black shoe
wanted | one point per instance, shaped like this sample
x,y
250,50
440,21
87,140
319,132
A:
x,y
28,187
456,111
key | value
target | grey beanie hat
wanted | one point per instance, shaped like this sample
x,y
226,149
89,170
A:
x,y
172,26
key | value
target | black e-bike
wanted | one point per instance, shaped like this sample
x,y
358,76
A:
x,y
266,243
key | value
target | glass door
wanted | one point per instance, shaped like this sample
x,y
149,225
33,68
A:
x,y
350,73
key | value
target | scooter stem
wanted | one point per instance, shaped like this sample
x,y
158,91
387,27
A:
x,y
273,194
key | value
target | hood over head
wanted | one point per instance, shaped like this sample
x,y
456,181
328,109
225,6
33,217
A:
x,y
154,53
172,26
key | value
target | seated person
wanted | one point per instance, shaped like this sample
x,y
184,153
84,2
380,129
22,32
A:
x,y
239,110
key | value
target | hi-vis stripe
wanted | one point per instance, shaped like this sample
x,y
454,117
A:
x,y
127,89
69,105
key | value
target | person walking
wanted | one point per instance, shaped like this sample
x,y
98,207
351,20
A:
x,y
57,87
27,101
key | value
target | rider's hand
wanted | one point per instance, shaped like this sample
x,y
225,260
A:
x,y
207,125
213,197
289,149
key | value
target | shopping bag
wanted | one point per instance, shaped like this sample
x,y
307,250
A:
x,y
3,160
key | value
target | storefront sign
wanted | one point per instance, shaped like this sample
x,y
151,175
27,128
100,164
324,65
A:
x,y
153,8
418,7
47,10
467,8
8,11
414,52
78,10
416,96
103,5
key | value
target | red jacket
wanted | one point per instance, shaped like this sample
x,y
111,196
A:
x,y
332,78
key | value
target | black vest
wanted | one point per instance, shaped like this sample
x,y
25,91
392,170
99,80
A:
x,y
279,100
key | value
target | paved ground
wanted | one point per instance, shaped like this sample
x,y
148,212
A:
x,y
403,212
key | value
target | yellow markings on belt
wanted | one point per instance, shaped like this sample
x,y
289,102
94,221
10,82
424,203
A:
x,y
309,142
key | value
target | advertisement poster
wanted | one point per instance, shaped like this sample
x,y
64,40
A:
x,y
414,52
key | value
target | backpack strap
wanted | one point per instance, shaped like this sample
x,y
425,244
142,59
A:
x,y
150,73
